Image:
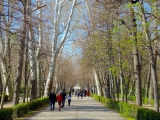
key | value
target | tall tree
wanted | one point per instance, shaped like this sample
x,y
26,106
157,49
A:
x,y
55,46
21,56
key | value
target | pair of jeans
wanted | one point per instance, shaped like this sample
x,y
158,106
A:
x,y
63,102
52,104
69,101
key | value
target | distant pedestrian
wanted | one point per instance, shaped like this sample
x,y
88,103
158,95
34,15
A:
x,y
81,94
69,99
63,98
75,92
59,100
88,93
72,91
78,94
52,98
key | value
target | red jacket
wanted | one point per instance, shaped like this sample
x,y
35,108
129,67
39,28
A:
x,y
59,97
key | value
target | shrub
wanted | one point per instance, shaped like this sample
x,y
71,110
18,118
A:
x,y
20,109
129,110
146,114
6,114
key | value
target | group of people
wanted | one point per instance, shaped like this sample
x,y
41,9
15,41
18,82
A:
x,y
81,93
60,99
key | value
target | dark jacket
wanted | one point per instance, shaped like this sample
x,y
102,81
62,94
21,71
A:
x,y
64,95
52,97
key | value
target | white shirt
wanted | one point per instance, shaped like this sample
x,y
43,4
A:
x,y
68,97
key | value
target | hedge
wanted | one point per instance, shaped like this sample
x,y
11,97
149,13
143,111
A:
x,y
20,110
129,110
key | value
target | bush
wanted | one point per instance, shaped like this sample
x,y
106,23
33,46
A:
x,y
129,110
132,98
20,110
38,103
6,114
146,114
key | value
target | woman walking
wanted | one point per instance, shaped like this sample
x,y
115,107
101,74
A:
x,y
59,100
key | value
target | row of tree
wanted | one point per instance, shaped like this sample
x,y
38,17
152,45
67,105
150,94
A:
x,y
122,48
118,43
32,45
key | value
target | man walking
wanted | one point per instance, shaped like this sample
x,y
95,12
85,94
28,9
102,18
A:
x,y
64,98
52,98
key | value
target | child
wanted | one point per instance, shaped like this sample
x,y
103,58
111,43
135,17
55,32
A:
x,y
69,99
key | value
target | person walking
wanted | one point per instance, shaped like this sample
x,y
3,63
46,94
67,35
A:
x,y
78,94
69,99
81,94
88,93
52,98
59,100
63,98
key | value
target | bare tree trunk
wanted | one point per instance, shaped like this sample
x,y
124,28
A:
x,y
108,87
5,46
1,84
33,73
39,52
26,74
4,90
121,71
137,66
20,62
117,88
151,92
56,48
153,60
127,86
131,90
148,81
97,82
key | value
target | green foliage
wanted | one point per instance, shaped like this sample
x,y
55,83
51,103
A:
x,y
129,110
21,89
132,98
144,100
146,114
6,114
37,103
20,110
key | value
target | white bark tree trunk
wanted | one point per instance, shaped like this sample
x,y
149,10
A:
x,y
33,72
152,60
137,66
97,82
38,55
5,50
55,47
